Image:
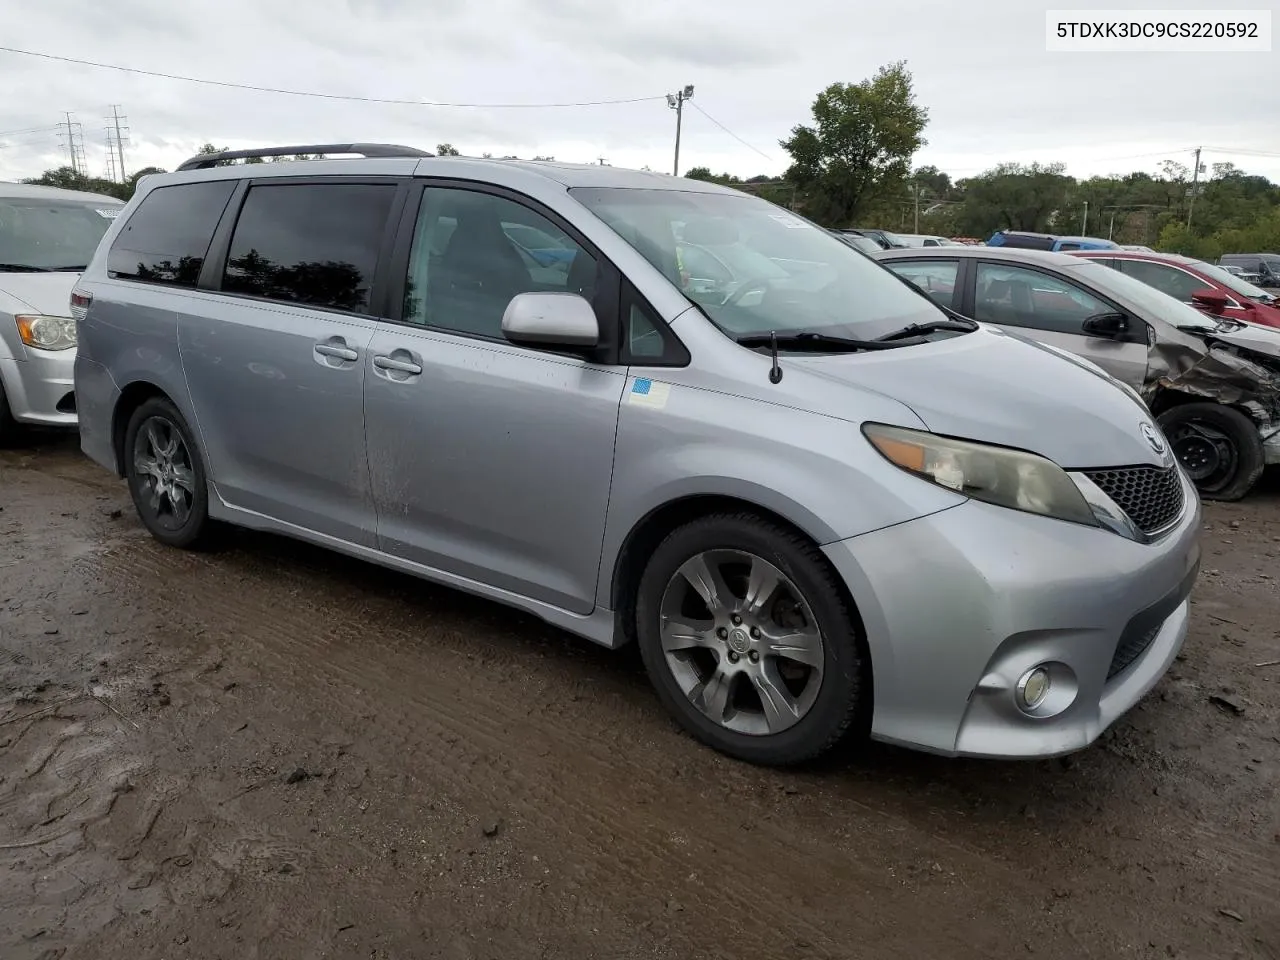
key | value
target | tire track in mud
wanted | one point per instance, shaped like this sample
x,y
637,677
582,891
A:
x,y
511,757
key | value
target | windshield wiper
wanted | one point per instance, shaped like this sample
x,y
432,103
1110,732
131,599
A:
x,y
23,268
75,267
818,342
960,325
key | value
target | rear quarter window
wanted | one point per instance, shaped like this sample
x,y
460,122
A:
x,y
167,238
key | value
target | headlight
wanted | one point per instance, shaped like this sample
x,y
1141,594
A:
x,y
47,333
1006,478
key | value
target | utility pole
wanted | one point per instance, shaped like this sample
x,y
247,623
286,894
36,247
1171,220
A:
x,y
74,149
1084,224
676,102
122,134
111,156
1195,179
915,187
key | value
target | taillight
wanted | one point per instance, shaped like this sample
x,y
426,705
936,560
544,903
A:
x,y
80,304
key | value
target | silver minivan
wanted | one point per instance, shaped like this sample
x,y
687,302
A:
x,y
822,505
47,236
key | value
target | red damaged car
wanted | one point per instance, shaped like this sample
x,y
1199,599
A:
x,y
1204,286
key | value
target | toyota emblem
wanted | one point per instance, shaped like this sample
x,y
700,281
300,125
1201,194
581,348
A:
x,y
1153,437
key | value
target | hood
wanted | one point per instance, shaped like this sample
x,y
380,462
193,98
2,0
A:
x,y
46,293
1252,336
995,388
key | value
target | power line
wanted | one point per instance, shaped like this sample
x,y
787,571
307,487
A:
x,y
14,133
726,130
323,96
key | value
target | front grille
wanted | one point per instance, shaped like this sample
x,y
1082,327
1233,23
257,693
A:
x,y
1130,648
1150,496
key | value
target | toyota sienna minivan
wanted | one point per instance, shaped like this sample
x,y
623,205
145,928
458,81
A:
x,y
822,505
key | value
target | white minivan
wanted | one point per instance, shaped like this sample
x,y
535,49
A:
x,y
47,236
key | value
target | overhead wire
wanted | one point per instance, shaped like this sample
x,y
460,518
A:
x,y
694,104
316,94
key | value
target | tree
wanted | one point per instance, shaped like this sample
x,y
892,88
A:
x,y
446,150
933,183
1015,197
68,179
860,144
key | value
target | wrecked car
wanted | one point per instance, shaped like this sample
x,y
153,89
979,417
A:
x,y
1212,382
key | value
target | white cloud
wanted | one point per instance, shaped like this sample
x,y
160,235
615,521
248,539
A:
x,y
993,92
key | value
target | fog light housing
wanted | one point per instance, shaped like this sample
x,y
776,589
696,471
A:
x,y
1033,687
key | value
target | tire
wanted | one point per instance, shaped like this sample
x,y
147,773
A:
x,y
837,707
1217,445
158,420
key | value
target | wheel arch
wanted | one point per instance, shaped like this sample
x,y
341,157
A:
x,y
652,528
131,398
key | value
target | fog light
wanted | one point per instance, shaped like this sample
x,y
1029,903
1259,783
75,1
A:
x,y
1033,688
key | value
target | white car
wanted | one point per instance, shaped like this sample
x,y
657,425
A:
x,y
926,240
47,236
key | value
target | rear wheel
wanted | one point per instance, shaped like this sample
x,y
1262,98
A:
x,y
1218,446
746,635
166,475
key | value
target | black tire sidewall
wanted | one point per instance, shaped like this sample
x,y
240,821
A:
x,y
191,532
9,427
1240,431
838,707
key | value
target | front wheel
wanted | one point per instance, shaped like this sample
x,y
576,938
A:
x,y
1218,446
745,633
166,475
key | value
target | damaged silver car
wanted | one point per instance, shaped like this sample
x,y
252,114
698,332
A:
x,y
1212,383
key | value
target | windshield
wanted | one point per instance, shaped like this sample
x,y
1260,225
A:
x,y
773,272
1232,282
40,235
1155,304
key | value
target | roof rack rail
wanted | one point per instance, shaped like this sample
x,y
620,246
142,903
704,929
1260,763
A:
x,y
205,160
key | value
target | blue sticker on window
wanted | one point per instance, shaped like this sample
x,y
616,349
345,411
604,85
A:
x,y
641,386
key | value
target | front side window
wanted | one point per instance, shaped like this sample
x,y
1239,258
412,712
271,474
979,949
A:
x,y
41,236
937,278
1021,297
310,243
167,238
1169,280
472,252
778,273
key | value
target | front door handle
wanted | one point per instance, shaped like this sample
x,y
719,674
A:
x,y
400,366
336,351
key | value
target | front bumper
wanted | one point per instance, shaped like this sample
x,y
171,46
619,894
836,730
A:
x,y
960,604
41,387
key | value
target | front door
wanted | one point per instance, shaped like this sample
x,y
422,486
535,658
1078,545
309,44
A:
x,y
1052,310
489,460
276,360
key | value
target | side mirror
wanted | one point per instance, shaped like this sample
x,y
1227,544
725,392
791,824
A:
x,y
1109,325
564,320
1212,299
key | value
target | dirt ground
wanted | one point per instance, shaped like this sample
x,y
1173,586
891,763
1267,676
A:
x,y
274,752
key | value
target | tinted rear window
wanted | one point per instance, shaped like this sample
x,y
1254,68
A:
x,y
312,243
167,237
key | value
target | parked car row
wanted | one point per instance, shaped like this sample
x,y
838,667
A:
x,y
1210,375
662,411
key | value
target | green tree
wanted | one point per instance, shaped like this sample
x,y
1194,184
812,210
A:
x,y
446,150
859,146
68,179
1014,197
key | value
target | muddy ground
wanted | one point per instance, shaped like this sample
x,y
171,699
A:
x,y
274,752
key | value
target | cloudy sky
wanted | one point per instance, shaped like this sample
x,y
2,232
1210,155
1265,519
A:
x,y
993,92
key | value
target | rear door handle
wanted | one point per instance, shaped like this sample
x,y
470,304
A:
x,y
335,351
400,366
